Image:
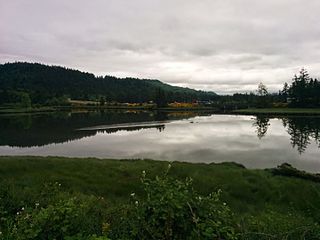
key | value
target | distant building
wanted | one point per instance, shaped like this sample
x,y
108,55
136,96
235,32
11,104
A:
x,y
290,100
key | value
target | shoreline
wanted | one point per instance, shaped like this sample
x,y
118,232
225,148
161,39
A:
x,y
249,111
279,111
59,108
284,169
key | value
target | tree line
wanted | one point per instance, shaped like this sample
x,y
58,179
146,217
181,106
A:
x,y
33,83
304,91
26,84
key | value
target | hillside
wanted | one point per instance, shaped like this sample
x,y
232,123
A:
x,y
42,82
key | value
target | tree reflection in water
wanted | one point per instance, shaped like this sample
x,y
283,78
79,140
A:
x,y
261,123
29,130
302,130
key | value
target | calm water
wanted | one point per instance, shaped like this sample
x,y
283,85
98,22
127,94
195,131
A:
x,y
256,142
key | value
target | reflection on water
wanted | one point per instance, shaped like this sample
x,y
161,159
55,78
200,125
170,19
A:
x,y
43,129
302,130
257,142
262,124
160,128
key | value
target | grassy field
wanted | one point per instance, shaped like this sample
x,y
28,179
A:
x,y
245,190
280,111
273,200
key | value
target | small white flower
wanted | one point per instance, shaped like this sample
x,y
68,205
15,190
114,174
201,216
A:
x,y
132,194
18,213
22,209
224,204
136,202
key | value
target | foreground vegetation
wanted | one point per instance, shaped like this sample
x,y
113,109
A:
x,y
70,198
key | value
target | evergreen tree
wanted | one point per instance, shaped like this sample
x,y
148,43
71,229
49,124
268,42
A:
x,y
285,92
262,92
160,98
299,88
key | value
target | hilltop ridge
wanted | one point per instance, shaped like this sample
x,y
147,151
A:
x,y
42,82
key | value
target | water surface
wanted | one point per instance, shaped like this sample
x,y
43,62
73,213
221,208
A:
x,y
256,142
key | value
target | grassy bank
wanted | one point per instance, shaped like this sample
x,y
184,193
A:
x,y
280,111
115,180
4,110
263,201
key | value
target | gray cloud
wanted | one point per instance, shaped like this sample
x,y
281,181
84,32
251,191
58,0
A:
x,y
224,45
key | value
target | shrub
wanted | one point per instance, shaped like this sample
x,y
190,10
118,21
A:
x,y
56,215
171,209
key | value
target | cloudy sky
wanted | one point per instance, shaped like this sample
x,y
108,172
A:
x,y
222,45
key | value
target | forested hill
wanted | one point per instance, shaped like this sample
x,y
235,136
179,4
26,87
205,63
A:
x,y
42,82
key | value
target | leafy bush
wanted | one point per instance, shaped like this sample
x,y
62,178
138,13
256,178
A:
x,y
167,209
56,215
171,209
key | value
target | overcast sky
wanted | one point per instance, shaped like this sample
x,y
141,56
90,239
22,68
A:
x,y
222,45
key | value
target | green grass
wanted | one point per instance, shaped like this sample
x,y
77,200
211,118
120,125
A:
x,y
247,191
280,111
273,203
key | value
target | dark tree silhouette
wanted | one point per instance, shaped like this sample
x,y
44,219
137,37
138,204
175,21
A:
x,y
160,98
43,83
304,91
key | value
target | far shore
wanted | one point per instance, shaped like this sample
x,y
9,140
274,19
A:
x,y
247,111
127,108
279,111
